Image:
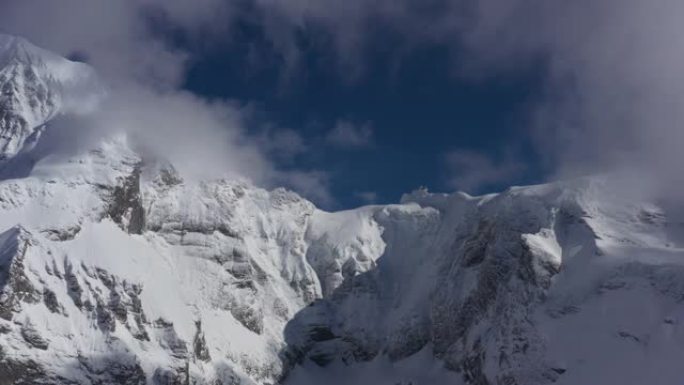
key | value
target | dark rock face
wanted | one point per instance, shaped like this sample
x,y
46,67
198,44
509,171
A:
x,y
31,336
168,176
249,317
97,370
126,207
168,376
15,286
243,293
415,335
170,339
24,372
122,302
123,369
62,234
74,288
199,344
50,300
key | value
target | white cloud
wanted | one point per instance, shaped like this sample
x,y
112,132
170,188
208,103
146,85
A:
x,y
202,139
614,87
472,171
314,185
367,197
346,134
282,144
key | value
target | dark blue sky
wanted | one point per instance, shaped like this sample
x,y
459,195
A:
x,y
419,109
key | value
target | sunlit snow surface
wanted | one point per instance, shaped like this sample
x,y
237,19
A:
x,y
114,270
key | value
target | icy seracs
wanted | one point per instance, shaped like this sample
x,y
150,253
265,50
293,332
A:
x,y
115,270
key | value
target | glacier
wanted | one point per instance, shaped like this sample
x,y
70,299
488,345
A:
x,y
117,269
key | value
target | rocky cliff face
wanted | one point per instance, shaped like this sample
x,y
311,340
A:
x,y
116,270
536,285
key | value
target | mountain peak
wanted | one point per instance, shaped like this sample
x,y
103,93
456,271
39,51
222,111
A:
x,y
16,49
38,85
19,49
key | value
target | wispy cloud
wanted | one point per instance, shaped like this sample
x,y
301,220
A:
x,y
347,134
367,197
473,171
314,185
613,68
282,144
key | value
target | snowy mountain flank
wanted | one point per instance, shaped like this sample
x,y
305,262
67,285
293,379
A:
x,y
115,269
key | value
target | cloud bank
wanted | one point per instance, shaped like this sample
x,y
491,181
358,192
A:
x,y
144,73
615,88
614,84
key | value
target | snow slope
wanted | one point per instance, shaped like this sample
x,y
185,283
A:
x,y
117,270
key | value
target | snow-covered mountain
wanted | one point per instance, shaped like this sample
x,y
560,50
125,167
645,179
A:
x,y
118,270
35,86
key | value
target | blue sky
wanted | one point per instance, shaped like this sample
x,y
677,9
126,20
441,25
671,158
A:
x,y
411,109
349,102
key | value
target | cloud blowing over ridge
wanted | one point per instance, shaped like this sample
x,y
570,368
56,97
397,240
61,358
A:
x,y
614,83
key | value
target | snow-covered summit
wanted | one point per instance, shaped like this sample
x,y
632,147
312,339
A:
x,y
35,86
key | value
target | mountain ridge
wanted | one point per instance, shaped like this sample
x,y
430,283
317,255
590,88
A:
x,y
115,269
